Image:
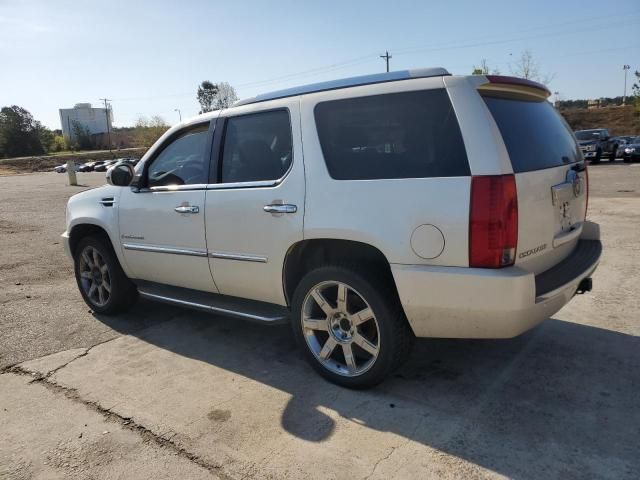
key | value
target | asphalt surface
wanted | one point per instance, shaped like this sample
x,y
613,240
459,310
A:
x,y
210,397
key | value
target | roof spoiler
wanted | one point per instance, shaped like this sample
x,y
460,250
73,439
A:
x,y
505,84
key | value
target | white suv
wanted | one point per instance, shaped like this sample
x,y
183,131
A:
x,y
365,211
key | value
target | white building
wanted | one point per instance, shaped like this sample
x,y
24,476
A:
x,y
93,119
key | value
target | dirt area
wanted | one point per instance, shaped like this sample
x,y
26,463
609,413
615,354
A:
x,y
46,163
619,120
181,393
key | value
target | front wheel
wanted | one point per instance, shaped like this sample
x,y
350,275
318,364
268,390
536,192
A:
x,y
350,326
102,282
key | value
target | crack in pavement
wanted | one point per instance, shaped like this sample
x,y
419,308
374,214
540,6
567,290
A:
x,y
124,422
386,457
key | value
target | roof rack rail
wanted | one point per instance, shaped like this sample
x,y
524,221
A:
x,y
345,83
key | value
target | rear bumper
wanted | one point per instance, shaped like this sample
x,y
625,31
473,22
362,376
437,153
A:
x,y
455,302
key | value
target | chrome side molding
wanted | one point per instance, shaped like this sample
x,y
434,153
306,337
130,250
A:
x,y
238,256
195,252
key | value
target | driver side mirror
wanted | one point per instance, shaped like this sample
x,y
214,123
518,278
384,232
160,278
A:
x,y
120,175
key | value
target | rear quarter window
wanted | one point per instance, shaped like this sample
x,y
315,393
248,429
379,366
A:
x,y
535,134
398,135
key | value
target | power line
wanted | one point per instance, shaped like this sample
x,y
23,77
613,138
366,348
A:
x,y
501,41
410,50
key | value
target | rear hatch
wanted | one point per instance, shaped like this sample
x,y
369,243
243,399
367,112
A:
x,y
550,173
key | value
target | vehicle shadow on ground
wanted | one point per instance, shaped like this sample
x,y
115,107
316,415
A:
x,y
559,401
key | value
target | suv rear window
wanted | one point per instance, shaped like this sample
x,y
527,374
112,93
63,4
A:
x,y
535,134
397,135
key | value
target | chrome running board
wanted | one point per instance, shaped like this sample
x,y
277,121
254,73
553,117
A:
x,y
251,310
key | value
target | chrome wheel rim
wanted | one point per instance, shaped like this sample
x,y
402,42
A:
x,y
94,276
340,328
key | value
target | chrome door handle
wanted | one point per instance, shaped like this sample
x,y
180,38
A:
x,y
280,208
187,209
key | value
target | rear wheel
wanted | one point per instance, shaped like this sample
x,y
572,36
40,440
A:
x,y
350,326
598,156
100,278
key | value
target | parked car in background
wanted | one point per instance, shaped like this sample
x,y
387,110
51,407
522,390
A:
x,y
597,144
86,167
63,168
622,142
420,217
104,166
131,160
632,150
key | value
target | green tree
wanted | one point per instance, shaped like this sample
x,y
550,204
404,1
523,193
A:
x,y
636,90
20,134
484,69
146,131
81,135
45,135
225,97
58,144
215,96
207,92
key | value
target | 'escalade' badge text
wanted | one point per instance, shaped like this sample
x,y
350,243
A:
x,y
533,250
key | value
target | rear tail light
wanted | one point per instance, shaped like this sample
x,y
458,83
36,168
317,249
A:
x,y
493,222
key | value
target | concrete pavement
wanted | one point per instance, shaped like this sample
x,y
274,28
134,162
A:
x,y
186,394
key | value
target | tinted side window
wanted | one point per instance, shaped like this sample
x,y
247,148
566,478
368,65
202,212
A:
x,y
534,133
398,135
257,147
182,162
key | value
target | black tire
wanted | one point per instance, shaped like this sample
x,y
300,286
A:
x,y
598,157
123,292
395,337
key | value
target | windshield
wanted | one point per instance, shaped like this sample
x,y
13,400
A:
x,y
588,135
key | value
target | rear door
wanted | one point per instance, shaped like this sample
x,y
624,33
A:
x,y
551,177
255,203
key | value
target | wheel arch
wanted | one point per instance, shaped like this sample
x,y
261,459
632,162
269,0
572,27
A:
x,y
305,255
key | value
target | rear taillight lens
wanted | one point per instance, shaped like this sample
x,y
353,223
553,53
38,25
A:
x,y
493,223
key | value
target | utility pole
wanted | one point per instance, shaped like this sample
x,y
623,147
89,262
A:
x,y
179,113
387,57
106,111
555,104
624,96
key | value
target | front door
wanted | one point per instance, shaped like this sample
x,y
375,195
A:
x,y
162,223
256,205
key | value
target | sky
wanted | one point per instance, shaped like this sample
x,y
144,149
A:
x,y
150,56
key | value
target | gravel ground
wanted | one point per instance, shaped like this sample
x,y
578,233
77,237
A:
x,y
560,401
